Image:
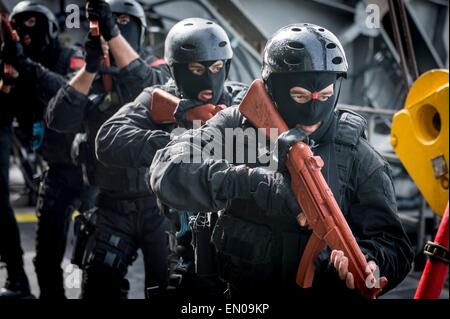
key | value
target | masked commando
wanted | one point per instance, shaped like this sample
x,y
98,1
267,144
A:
x,y
43,65
199,54
257,237
125,218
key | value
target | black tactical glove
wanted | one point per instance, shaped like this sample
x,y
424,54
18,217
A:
x,y
94,54
284,143
7,81
13,53
188,111
100,11
182,108
270,190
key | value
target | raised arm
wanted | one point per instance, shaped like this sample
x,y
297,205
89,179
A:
x,y
47,81
121,50
66,112
183,180
138,75
189,174
129,138
135,74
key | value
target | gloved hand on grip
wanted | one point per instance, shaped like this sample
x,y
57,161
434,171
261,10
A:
x,y
101,11
203,112
94,54
270,190
284,143
189,110
13,53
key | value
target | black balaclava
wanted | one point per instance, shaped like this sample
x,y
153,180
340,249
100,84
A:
x,y
309,113
36,40
131,31
190,85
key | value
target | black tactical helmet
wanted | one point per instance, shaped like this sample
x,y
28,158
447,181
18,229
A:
x,y
31,6
133,9
130,7
303,47
197,40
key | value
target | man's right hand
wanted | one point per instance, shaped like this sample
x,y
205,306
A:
x,y
203,112
272,192
94,54
13,53
189,110
284,143
100,11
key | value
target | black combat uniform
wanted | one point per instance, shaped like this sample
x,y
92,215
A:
x,y
258,239
10,247
62,189
131,138
365,194
126,216
124,203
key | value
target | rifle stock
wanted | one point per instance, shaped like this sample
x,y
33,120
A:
x,y
164,104
313,194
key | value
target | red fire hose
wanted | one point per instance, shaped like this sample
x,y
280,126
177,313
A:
x,y
436,268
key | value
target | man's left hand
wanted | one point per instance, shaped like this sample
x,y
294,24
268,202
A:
x,y
13,53
340,262
101,11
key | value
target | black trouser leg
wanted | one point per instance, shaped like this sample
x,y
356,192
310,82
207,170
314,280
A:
x,y
155,249
59,196
10,247
101,282
109,252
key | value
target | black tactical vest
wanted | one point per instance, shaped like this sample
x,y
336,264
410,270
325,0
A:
x,y
254,248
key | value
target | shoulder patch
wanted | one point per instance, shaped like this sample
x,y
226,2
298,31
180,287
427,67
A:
x,y
158,62
77,63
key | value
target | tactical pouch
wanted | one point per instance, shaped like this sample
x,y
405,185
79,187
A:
x,y
244,250
83,227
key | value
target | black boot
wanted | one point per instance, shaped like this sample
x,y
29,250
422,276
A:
x,y
16,286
